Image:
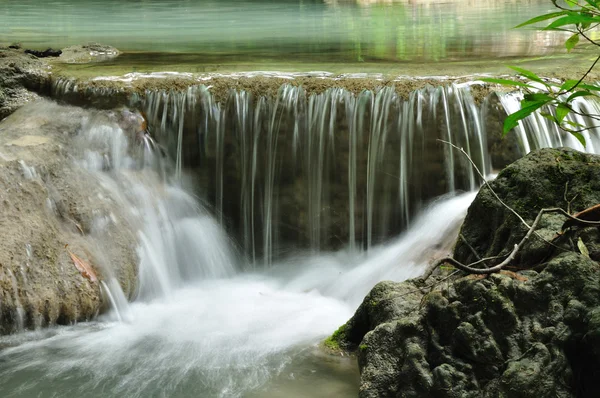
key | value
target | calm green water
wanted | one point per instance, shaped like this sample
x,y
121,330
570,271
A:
x,y
293,30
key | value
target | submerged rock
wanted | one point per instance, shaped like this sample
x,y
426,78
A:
x,y
91,52
533,333
51,207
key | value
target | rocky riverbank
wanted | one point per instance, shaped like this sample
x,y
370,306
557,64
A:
x,y
529,331
22,77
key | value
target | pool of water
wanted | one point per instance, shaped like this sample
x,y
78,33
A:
x,y
292,31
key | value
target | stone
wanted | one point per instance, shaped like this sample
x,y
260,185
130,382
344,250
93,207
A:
x,y
533,333
22,77
47,201
49,52
543,179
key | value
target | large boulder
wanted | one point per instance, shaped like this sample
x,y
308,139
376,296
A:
x,y
51,208
526,334
546,178
500,336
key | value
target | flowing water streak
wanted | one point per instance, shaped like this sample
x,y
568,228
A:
x,y
175,233
369,145
224,337
344,150
200,326
536,131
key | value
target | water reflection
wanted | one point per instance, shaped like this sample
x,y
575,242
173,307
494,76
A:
x,y
299,30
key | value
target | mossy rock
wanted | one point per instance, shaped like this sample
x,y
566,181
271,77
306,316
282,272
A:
x,y
545,178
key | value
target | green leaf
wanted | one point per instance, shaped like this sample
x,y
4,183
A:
x,y
561,112
541,18
581,139
528,74
582,248
537,97
572,42
569,84
593,3
572,3
513,119
548,116
580,94
574,124
505,82
589,87
571,19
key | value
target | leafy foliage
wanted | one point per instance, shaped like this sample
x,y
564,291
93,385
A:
x,y
556,101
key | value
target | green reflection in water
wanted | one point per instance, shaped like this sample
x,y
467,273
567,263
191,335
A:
x,y
297,30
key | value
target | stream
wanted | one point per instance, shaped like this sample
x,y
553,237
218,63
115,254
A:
x,y
206,323
301,198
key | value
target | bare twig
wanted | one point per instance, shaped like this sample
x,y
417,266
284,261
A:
x,y
590,68
487,183
567,200
477,256
511,256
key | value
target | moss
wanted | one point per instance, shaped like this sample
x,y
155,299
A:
x,y
363,347
337,339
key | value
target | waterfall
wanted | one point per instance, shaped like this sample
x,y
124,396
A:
x,y
205,322
308,170
311,168
536,131
179,241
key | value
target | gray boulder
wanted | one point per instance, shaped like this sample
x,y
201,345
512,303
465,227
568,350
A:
x,y
533,333
545,178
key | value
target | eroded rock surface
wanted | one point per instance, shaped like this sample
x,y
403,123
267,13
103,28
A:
x,y
49,206
528,334
22,76
546,178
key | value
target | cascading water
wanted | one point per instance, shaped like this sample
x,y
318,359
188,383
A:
x,y
201,326
538,132
311,168
206,321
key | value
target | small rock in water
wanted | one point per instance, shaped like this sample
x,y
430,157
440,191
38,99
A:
x,y
49,52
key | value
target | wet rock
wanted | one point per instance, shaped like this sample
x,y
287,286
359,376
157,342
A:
x,y
387,300
22,76
48,201
494,337
49,52
91,52
543,179
525,334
